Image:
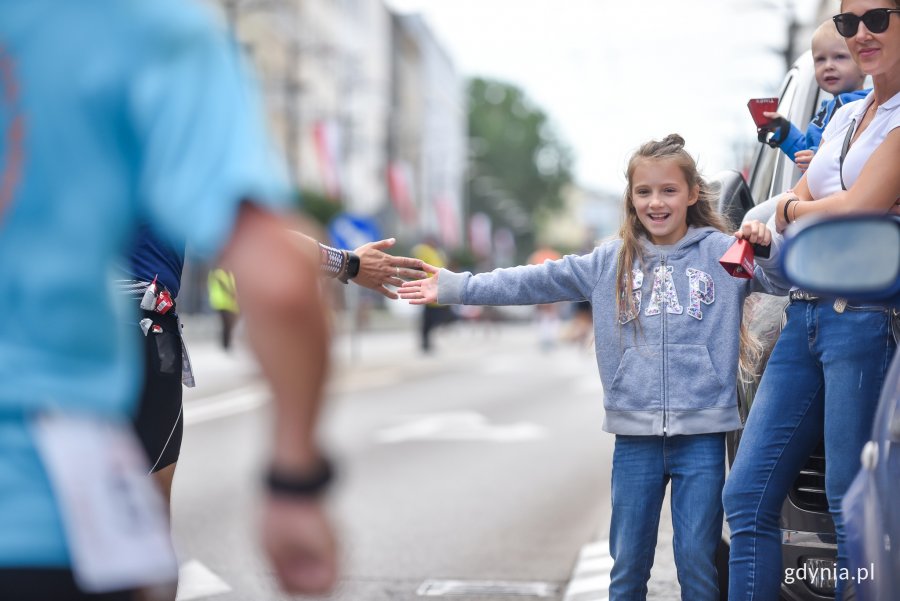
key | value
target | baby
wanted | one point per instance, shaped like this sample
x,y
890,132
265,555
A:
x,y
837,74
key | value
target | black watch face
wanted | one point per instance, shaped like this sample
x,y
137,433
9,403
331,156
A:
x,y
353,266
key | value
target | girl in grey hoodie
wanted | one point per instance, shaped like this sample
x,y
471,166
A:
x,y
667,323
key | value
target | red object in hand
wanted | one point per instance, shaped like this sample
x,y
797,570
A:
x,y
758,106
738,260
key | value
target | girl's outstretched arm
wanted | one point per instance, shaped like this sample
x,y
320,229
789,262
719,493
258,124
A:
x,y
421,292
570,278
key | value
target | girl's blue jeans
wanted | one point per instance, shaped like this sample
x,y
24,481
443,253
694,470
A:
x,y
824,375
642,467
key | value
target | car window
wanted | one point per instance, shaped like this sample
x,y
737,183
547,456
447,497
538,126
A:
x,y
804,104
763,170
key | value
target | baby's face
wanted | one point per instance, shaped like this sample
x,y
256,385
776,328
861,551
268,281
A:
x,y
836,72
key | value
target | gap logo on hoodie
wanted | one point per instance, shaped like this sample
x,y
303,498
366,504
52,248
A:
x,y
702,290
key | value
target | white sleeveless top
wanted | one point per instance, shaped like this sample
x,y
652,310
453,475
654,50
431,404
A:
x,y
824,174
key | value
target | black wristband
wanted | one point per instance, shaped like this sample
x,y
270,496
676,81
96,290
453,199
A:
x,y
309,484
786,206
351,266
779,127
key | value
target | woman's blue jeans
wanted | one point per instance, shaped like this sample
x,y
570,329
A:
x,y
824,375
642,467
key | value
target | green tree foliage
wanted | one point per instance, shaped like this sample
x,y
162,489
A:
x,y
518,166
318,206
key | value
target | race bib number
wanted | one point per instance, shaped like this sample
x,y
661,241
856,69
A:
x,y
115,520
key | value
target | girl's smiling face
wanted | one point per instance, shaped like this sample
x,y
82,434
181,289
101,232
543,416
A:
x,y
661,197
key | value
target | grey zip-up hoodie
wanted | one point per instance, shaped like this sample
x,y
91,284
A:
x,y
676,372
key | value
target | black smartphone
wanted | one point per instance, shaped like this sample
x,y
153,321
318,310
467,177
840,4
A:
x,y
761,251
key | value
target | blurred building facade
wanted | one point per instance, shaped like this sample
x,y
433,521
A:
x,y
428,138
587,217
367,108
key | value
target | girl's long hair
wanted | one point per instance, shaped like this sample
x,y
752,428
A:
x,y
700,214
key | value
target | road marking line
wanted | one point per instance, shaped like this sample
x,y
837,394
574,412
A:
x,y
195,580
599,564
442,588
458,426
591,575
596,584
226,404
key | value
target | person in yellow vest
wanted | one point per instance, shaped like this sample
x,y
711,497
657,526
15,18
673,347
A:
x,y
223,299
433,314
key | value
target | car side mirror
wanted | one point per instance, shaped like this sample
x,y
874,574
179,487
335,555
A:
x,y
855,257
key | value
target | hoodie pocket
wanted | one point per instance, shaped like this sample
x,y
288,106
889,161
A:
x,y
692,380
637,384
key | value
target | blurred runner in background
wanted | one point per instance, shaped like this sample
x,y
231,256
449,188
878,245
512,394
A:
x,y
223,300
547,316
433,314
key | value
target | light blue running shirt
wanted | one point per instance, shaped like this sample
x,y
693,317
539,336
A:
x,y
130,110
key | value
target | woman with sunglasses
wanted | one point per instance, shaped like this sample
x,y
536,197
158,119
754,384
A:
x,y
829,364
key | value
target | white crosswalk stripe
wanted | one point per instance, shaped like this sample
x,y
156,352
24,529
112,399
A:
x,y
226,404
590,578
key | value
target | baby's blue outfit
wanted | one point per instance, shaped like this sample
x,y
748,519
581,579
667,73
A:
x,y
795,141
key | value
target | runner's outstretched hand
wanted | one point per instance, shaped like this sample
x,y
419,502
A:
x,y
421,292
378,269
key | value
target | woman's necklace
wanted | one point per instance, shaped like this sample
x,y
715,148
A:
x,y
872,109
864,122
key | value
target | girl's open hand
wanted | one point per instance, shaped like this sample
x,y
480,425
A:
x,y
754,232
421,292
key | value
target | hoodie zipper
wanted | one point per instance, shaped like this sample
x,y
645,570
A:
x,y
664,310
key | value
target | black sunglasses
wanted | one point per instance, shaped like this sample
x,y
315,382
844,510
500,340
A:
x,y
876,21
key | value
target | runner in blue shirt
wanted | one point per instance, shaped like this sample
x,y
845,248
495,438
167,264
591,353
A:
x,y
114,114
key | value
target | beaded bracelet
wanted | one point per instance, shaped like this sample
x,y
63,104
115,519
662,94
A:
x,y
332,261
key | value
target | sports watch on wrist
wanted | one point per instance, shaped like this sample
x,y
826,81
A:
x,y
351,267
